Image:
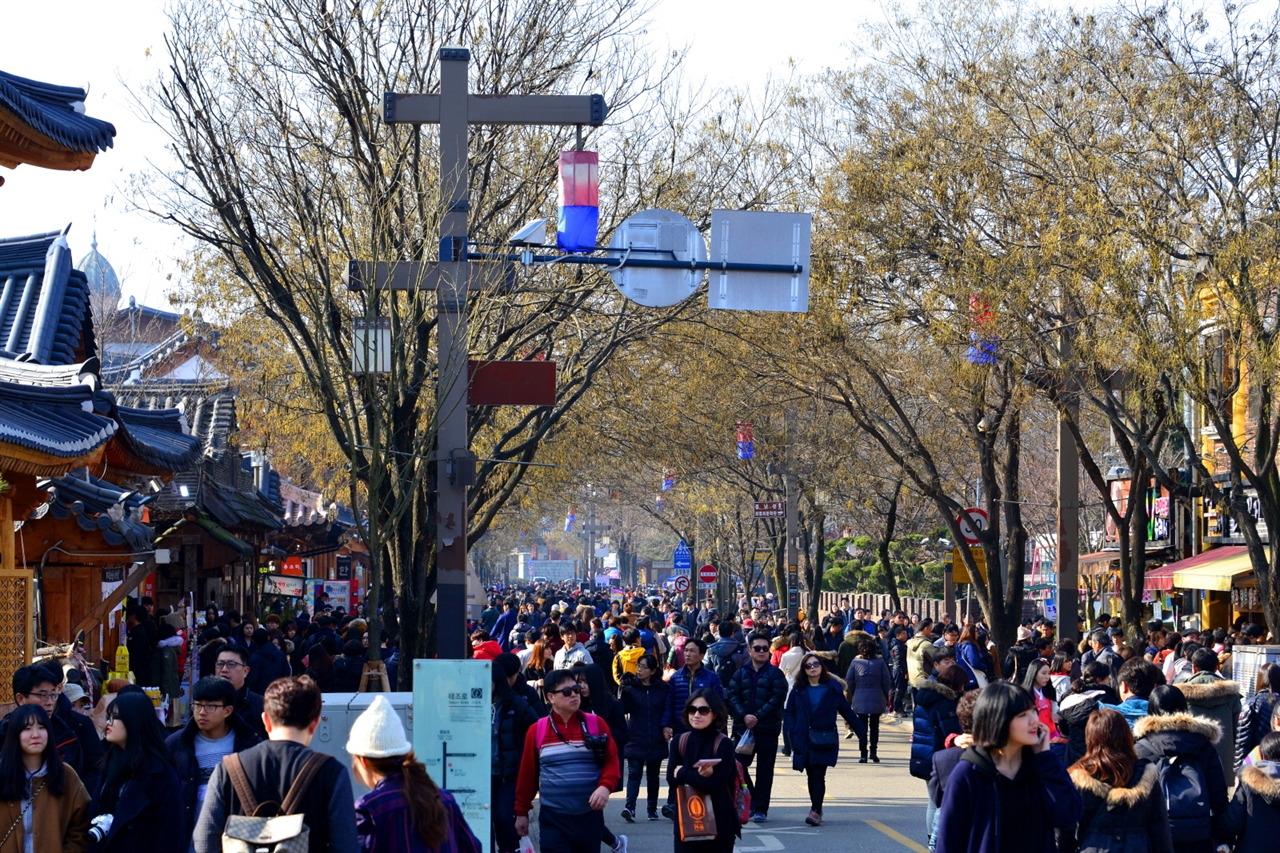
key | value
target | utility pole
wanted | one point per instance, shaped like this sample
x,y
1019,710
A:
x,y
455,109
1068,550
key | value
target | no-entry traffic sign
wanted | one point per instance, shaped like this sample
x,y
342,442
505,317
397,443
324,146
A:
x,y
707,574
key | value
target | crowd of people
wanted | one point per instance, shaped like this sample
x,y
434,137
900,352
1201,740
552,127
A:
x,y
1106,744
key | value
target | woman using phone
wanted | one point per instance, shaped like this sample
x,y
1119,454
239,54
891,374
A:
x,y
138,807
810,715
44,807
1009,792
703,759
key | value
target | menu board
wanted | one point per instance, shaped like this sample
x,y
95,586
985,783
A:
x,y
452,714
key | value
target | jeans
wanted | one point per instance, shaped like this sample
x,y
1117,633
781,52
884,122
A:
x,y
637,768
762,786
871,724
570,833
817,785
504,815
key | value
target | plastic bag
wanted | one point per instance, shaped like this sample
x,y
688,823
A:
x,y
526,845
746,743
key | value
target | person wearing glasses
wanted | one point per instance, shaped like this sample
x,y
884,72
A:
x,y
756,696
703,758
572,779
232,664
816,697
215,730
76,742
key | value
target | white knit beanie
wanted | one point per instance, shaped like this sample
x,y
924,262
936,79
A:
x,y
378,732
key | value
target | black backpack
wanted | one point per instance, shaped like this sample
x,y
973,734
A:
x,y
1187,794
723,666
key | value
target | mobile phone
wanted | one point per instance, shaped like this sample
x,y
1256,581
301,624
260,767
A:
x,y
707,762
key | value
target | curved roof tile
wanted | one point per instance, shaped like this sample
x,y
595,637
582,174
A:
x,y
52,110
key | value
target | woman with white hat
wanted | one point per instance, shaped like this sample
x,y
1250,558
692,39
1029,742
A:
x,y
404,812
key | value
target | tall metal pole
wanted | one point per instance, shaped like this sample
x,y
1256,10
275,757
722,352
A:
x,y
793,527
451,393
1068,552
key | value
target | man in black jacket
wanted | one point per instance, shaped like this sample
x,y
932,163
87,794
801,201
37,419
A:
x,y
215,731
78,744
233,664
756,696
293,708
898,667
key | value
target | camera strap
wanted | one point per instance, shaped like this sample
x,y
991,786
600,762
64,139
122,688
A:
x,y
23,813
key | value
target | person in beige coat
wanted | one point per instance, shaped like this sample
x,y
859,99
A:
x,y
41,798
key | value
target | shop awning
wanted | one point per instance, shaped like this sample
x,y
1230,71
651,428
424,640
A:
x,y
1097,557
1216,572
1161,579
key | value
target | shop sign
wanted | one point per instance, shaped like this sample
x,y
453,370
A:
x,y
1221,526
288,585
343,569
292,566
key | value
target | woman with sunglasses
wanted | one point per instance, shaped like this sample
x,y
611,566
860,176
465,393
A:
x,y
816,697
44,807
138,807
704,759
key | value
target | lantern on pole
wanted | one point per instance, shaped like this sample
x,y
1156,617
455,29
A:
x,y
668,480
746,447
982,336
579,217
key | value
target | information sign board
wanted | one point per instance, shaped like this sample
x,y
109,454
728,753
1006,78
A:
x,y
451,733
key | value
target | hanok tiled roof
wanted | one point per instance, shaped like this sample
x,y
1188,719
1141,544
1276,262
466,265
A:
x,y
99,505
66,422
209,408
57,112
235,508
157,437
44,302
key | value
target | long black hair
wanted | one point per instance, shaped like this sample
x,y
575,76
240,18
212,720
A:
x,y
144,735
1029,680
997,705
13,777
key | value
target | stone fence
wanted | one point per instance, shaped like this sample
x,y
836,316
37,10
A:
x,y
928,608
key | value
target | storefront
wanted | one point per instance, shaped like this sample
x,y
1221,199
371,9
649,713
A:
x,y
1223,576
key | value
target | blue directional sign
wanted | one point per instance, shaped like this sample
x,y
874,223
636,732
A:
x,y
682,559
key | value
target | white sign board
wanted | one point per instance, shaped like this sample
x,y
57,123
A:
x,y
451,733
656,235
757,237
1050,609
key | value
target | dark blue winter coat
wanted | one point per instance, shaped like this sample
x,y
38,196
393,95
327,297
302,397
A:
x,y
266,664
644,707
971,813
683,684
801,718
182,746
763,697
974,659
934,719
869,685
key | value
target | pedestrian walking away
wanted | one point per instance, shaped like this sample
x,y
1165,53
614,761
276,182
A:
x,y
816,698
404,811
570,762
1252,821
511,718
1009,792
1124,805
44,807
869,687
702,758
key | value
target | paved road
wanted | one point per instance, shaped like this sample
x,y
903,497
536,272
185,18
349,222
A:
x,y
869,807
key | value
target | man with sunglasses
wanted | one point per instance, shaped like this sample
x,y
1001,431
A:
x,y
215,731
558,766
756,696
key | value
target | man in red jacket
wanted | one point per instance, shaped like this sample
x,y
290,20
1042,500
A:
x,y
573,780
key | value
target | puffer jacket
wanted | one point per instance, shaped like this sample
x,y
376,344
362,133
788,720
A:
x,y
919,659
1209,695
1254,723
869,685
766,701
849,648
1073,715
682,685
934,719
1120,820
511,719
644,707
1162,737
1253,818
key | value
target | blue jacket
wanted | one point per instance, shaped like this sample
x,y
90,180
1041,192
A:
x,y
1132,709
974,659
681,686
502,629
934,718
803,717
869,685
970,817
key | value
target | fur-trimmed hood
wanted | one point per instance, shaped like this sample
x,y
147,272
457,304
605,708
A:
x,y
943,691
1139,788
1178,724
1074,699
1263,779
1213,692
